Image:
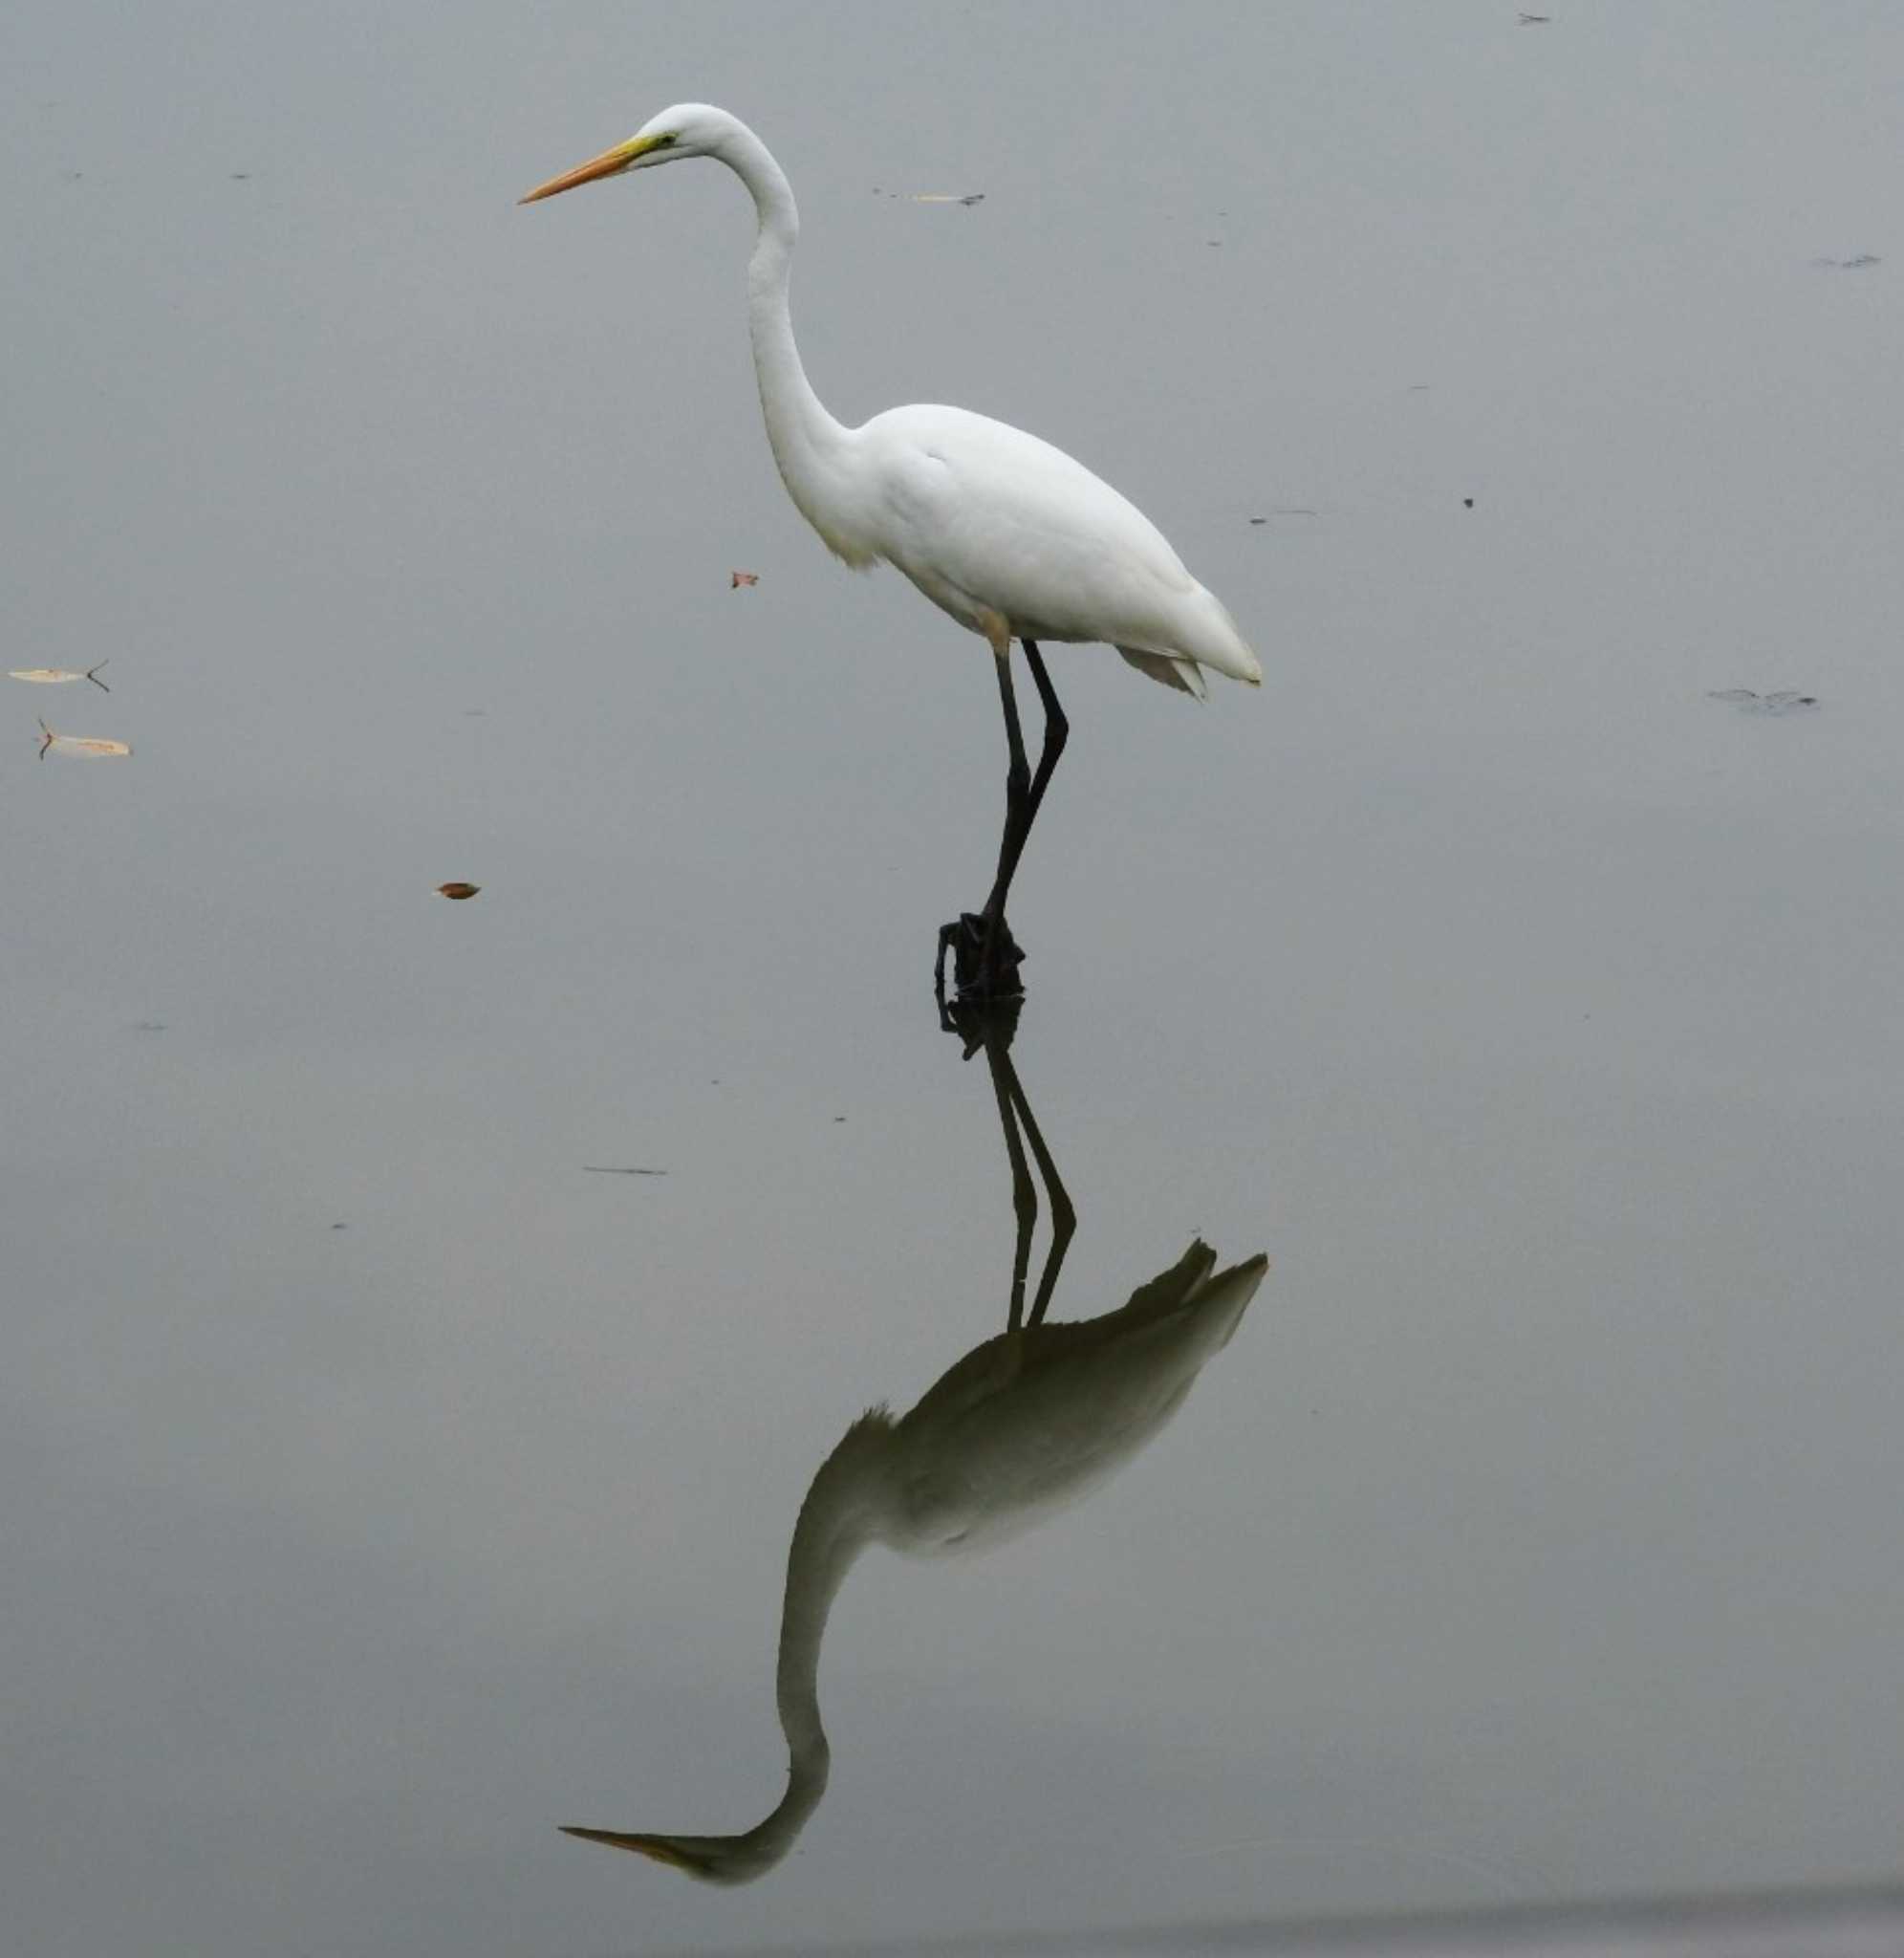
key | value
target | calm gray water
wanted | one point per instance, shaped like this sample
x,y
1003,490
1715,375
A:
x,y
385,1488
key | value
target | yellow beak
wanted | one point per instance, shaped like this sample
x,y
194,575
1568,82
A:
x,y
610,163
657,1848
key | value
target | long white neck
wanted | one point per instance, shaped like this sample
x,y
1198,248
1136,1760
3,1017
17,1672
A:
x,y
837,1520
808,443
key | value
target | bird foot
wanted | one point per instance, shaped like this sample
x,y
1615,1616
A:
x,y
986,959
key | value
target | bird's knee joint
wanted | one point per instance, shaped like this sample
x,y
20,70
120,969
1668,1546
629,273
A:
x,y
998,633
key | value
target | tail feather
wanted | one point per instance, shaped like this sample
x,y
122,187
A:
x,y
1185,675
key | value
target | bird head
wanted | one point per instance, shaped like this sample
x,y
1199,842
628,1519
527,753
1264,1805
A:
x,y
689,129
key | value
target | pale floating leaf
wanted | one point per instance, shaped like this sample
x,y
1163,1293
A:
x,y
59,676
738,579
83,747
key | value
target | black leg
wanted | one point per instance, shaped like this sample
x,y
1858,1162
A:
x,y
985,957
1022,794
1017,793
1064,1216
991,1025
1023,1191
1057,730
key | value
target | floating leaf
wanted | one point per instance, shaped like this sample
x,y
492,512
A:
x,y
742,577
459,890
84,747
59,676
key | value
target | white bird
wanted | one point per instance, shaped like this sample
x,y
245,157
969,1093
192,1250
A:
x,y
1023,1426
1009,535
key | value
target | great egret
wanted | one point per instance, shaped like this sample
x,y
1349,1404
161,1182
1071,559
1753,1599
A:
x,y
1009,535
1022,1425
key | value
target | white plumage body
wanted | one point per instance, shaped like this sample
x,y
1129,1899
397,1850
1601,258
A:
x,y
991,523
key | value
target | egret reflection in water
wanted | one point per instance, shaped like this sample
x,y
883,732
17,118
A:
x,y
1025,1424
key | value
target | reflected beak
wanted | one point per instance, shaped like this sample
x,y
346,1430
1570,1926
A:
x,y
658,1848
610,163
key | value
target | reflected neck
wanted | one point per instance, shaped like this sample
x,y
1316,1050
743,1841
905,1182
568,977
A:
x,y
836,1523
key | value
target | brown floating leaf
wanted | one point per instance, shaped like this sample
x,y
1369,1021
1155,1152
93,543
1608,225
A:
x,y
742,577
459,890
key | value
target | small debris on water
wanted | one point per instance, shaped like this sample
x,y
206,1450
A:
x,y
614,1169
458,890
148,1026
1467,502
969,197
1749,702
59,676
84,747
1857,264
738,579
1536,19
